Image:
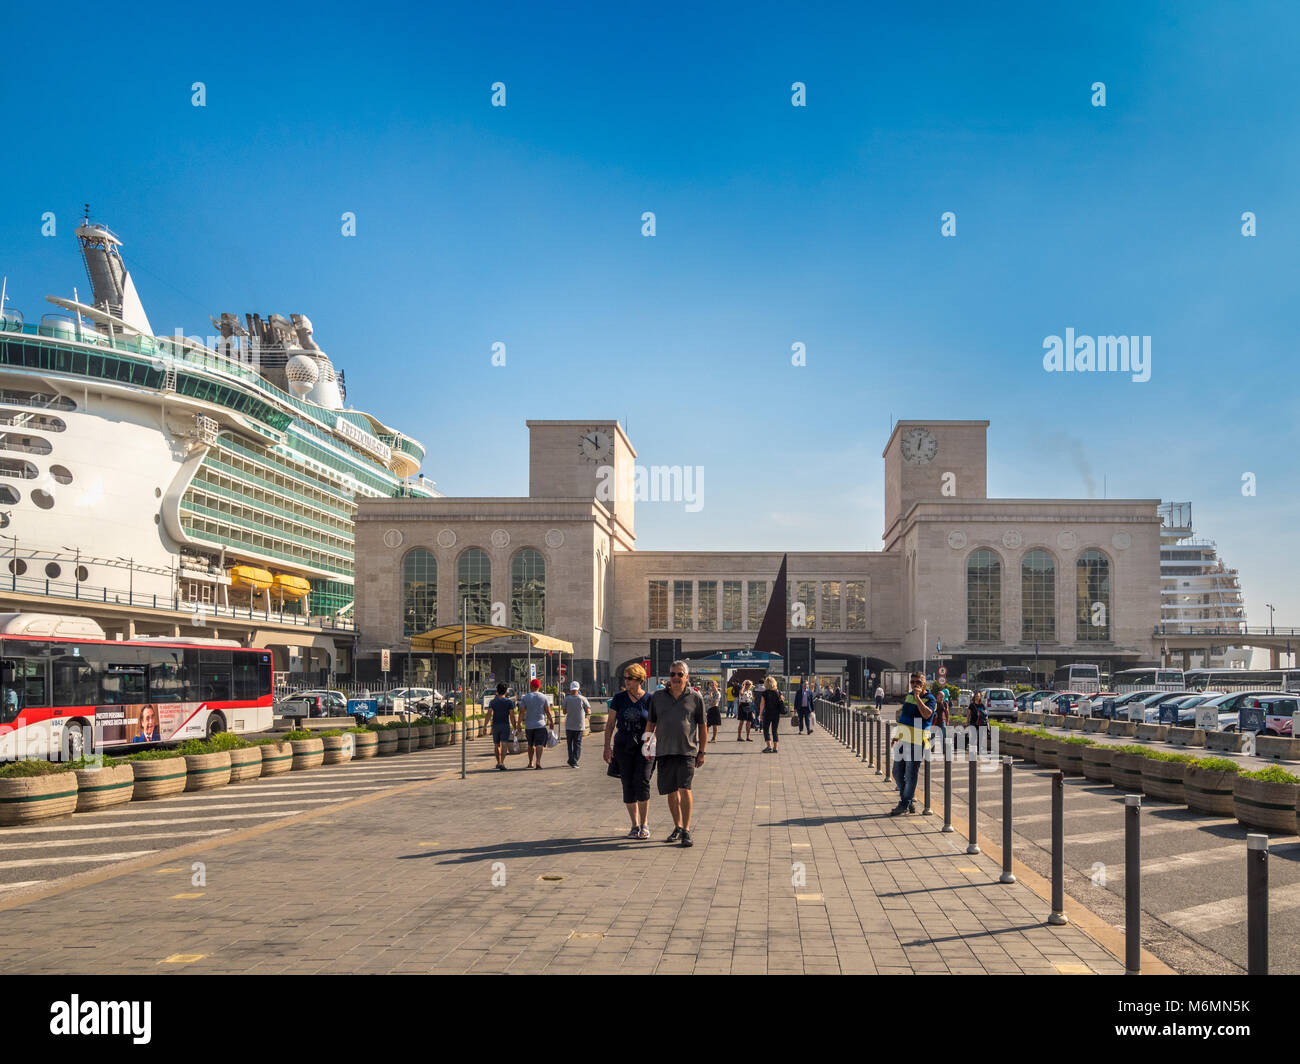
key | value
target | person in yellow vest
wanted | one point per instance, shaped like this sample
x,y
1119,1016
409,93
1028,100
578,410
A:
x,y
911,738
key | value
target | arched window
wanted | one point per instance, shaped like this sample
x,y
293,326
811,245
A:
x,y
1092,580
419,592
474,582
1038,597
528,590
983,597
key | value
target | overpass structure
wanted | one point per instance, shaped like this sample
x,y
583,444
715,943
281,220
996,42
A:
x,y
1175,638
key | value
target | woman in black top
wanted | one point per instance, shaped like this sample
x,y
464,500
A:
x,y
773,707
629,712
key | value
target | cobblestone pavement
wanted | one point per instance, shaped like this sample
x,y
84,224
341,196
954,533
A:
x,y
796,869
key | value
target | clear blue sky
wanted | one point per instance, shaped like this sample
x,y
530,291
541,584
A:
x,y
775,225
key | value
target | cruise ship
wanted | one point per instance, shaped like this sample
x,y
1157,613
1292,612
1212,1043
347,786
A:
x,y
1196,588
174,476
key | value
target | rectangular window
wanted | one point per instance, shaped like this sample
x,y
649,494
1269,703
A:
x,y
683,605
830,604
855,595
658,605
731,615
708,606
805,595
757,603
74,682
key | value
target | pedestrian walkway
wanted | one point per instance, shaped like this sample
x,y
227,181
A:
x,y
796,869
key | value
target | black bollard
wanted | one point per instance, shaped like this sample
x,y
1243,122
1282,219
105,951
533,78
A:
x,y
1058,917
926,810
1132,885
1007,876
947,785
1257,905
972,801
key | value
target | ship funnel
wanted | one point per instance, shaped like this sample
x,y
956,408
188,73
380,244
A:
x,y
110,281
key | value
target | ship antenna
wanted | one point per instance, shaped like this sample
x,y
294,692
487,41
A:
x,y
86,219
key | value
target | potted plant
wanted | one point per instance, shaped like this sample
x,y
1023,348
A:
x,y
205,768
387,739
245,757
442,731
308,750
99,786
158,774
1208,785
36,790
1096,761
1126,768
277,756
1163,774
1069,754
1266,799
1045,749
365,742
337,744
424,730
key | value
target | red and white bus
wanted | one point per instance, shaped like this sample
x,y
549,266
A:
x,y
63,682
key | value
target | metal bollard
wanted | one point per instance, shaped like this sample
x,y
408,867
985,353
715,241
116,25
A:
x,y
972,802
871,743
1132,885
1058,916
926,810
947,786
889,755
1007,876
1257,905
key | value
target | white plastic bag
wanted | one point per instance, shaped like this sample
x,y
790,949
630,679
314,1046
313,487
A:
x,y
648,746
812,719
514,742
551,738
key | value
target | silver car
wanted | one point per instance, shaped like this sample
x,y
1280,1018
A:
x,y
1000,702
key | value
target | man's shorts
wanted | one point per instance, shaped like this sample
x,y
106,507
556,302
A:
x,y
500,733
676,771
537,736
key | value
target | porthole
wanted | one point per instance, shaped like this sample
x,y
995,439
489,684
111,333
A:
x,y
17,566
157,493
157,519
61,473
52,571
8,495
43,499
83,574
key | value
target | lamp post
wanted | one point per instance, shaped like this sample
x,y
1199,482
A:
x,y
1270,607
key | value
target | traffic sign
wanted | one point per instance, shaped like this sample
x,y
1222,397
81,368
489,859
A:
x,y
563,670
532,670
943,672
384,661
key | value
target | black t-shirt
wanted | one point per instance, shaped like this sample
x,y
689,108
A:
x,y
501,708
629,718
773,703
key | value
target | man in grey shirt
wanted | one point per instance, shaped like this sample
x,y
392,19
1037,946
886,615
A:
x,y
675,712
576,711
537,721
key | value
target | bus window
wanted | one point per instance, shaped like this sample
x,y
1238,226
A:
x,y
246,678
166,682
121,687
31,683
214,683
10,692
74,682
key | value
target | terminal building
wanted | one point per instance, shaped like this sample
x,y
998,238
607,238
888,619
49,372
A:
x,y
992,582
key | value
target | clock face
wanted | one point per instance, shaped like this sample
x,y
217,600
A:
x,y
919,446
596,446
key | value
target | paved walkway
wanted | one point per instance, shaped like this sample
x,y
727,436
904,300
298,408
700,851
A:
x,y
411,880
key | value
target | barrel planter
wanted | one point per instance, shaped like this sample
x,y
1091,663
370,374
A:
x,y
1126,772
1045,752
1009,742
1186,737
1152,733
408,739
1271,806
1164,779
277,758
426,736
1208,790
366,745
1125,728
1029,747
101,788
387,742
307,753
205,771
1096,762
597,723
457,730
1279,748
441,732
245,763
338,748
1094,724
1069,758
27,798
158,779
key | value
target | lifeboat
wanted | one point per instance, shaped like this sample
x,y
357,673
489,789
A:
x,y
291,587
250,577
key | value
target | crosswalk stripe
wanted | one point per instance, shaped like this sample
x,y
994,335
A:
x,y
1147,829
1228,911
10,832
45,844
216,795
24,883
289,799
31,862
1182,861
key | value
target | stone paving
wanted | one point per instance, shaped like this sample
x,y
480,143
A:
x,y
796,869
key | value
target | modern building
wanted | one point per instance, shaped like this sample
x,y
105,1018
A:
x,y
1197,589
992,581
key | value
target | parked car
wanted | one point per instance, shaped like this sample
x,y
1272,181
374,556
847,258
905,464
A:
x,y
1066,703
305,705
1151,705
1025,702
1278,709
1119,709
1000,702
1229,705
417,700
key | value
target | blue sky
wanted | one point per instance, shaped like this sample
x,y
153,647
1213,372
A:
x,y
775,225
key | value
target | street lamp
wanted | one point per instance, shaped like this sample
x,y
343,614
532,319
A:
x,y
1270,607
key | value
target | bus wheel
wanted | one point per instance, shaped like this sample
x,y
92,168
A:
x,y
216,724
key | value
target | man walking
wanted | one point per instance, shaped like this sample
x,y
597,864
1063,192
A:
x,y
504,722
675,712
537,721
880,698
576,711
911,737
803,704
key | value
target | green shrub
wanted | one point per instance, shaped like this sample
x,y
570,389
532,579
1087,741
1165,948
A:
x,y
362,730
1078,740
1216,764
330,732
425,722
275,740
1133,748
151,755
27,769
226,741
300,734
86,762
1272,774
1161,755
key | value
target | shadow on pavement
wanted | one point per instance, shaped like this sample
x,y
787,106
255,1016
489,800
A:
x,y
531,848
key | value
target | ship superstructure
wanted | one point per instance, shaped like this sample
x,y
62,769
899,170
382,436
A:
x,y
1196,588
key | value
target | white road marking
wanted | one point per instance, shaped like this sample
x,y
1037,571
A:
x,y
9,832
1148,828
1182,861
32,862
45,844
1227,911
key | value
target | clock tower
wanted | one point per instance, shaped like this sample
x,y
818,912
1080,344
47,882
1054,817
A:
x,y
932,460
584,460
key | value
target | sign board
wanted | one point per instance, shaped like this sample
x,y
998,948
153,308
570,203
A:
x,y
943,673
563,671
746,659
1168,714
645,664
1250,720
532,670
1137,711
385,660
1207,717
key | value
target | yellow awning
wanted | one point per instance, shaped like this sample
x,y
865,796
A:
x,y
446,640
